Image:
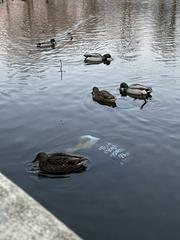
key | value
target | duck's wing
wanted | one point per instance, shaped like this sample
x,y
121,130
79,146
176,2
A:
x,y
65,155
141,87
62,163
43,46
107,95
46,42
137,94
65,159
92,55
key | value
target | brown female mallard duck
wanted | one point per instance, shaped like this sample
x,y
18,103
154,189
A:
x,y
103,97
60,163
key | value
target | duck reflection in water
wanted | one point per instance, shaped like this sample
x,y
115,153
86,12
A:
x,y
136,91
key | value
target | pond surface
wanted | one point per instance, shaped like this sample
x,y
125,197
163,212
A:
x,y
43,109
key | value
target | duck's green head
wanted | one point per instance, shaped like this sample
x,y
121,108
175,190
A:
x,y
123,88
41,157
53,41
123,85
38,44
107,57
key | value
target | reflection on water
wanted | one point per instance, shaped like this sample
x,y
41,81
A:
x,y
46,105
165,30
144,98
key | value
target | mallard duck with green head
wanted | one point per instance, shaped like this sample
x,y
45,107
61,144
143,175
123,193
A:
x,y
95,58
137,90
51,43
103,97
60,163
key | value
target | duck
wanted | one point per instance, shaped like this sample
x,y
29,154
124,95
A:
x,y
69,34
60,163
137,90
95,58
47,44
103,97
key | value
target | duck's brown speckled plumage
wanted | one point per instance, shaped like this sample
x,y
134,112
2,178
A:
x,y
103,97
60,163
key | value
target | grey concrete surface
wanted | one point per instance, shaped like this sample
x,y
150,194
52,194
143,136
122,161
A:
x,y
23,218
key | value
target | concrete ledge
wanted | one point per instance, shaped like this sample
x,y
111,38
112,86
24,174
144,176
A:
x,y
21,217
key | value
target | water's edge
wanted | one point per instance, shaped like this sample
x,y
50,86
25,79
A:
x,y
24,218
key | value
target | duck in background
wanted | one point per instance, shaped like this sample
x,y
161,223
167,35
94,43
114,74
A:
x,y
96,58
136,91
103,97
69,34
51,43
60,163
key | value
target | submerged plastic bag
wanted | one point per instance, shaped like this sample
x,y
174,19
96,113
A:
x,y
108,148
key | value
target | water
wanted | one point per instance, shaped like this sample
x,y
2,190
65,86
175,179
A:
x,y
44,110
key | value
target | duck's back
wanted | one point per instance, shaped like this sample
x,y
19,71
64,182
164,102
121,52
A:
x,y
92,55
141,87
107,94
62,163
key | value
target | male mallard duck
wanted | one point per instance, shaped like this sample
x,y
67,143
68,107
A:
x,y
138,90
103,97
60,163
94,58
47,44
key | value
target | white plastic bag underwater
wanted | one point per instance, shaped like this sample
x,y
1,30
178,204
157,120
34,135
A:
x,y
108,148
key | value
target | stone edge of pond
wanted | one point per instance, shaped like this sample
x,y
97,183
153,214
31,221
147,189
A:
x,y
22,217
